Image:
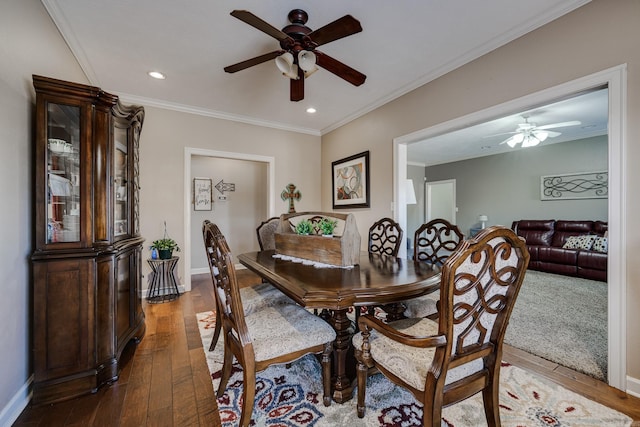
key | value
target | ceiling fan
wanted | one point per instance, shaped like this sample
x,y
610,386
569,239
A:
x,y
297,57
529,134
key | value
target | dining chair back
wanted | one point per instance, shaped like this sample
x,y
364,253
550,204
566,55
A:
x,y
450,360
266,233
254,297
385,236
435,241
272,335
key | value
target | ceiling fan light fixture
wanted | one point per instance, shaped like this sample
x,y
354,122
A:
x,y
286,65
307,61
530,141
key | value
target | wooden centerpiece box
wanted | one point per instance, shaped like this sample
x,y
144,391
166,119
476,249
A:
x,y
342,249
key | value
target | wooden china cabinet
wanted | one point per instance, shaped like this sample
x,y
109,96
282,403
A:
x,y
86,265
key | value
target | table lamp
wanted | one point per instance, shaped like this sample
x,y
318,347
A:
x,y
483,219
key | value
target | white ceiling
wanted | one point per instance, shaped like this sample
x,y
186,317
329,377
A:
x,y
403,45
591,109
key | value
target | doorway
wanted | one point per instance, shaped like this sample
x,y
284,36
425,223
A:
x,y
440,200
189,154
615,80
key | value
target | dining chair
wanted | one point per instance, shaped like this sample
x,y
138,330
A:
x,y
254,297
272,335
433,243
447,361
266,233
385,236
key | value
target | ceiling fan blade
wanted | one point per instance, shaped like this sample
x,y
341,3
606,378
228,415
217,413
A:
x,y
341,70
265,27
560,125
342,27
550,133
253,61
297,87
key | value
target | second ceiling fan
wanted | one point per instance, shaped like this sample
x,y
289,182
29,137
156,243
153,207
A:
x,y
529,134
298,57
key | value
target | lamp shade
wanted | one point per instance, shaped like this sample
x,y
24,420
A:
x,y
411,193
307,60
286,66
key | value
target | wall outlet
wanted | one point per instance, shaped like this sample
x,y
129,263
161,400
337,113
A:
x,y
222,198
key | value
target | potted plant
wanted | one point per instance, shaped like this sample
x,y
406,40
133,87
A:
x,y
165,246
304,227
327,226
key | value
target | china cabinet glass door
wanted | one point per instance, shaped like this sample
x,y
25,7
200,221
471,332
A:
x,y
121,183
63,173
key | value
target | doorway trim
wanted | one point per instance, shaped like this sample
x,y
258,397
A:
x,y
615,79
189,153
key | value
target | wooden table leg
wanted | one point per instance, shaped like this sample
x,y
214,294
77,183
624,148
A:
x,y
342,356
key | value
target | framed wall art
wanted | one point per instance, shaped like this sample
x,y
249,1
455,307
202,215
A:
x,y
202,194
350,182
585,185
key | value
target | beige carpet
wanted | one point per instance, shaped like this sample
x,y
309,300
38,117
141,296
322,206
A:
x,y
293,397
562,319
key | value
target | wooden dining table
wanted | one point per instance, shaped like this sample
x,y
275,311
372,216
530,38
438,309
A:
x,y
378,280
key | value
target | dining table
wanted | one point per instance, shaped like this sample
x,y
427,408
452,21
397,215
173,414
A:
x,y
377,280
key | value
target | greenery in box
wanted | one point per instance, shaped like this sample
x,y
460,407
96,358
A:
x,y
304,227
327,226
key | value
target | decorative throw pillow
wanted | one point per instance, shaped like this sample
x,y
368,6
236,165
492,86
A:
x,y
600,245
579,242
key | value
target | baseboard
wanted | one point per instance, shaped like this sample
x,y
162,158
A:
x,y
195,271
16,405
633,386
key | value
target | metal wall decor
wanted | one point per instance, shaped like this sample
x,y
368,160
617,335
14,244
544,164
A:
x,y
585,185
225,186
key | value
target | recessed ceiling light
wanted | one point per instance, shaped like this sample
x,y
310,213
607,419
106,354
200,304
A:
x,y
311,110
156,75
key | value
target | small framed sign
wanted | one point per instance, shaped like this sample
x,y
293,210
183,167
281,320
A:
x,y
202,194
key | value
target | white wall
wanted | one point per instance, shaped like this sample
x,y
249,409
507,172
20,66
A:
x,y
598,36
25,28
163,140
506,187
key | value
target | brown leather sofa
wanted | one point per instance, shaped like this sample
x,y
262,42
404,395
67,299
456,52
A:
x,y
545,240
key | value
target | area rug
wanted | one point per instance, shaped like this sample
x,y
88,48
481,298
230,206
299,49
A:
x,y
293,397
562,319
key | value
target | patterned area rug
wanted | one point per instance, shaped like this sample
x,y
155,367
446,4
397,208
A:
x,y
293,397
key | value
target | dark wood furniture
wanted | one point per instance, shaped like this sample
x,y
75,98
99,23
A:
x,y
86,264
376,280
435,241
445,362
263,338
385,236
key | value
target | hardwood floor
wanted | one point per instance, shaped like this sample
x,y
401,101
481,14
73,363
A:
x,y
165,380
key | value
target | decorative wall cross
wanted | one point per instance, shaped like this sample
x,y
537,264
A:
x,y
292,194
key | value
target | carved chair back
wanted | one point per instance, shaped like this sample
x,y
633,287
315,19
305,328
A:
x,y
435,241
266,231
479,285
385,236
